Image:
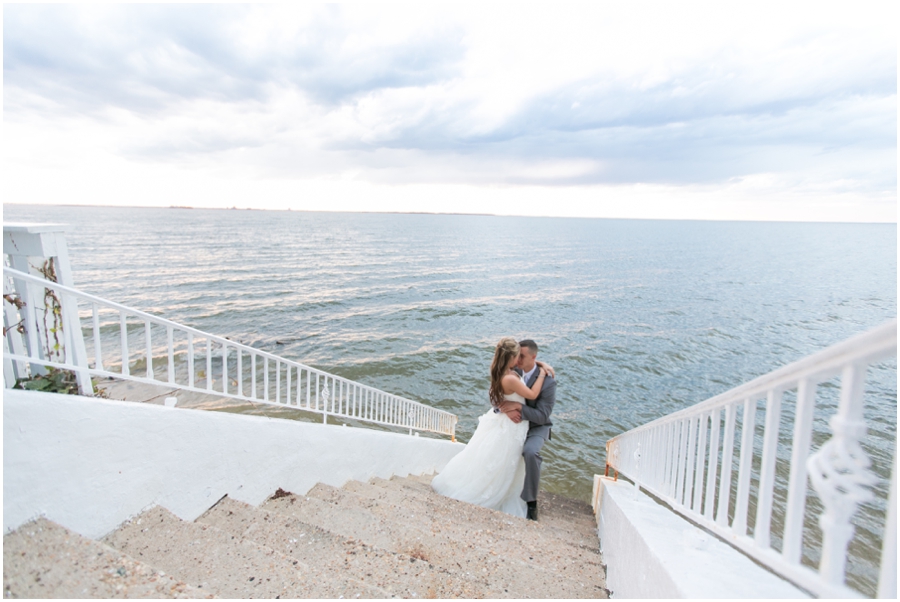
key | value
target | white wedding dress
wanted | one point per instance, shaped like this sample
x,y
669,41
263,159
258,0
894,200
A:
x,y
490,471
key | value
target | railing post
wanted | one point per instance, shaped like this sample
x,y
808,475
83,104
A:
x,y
887,581
76,352
14,342
839,474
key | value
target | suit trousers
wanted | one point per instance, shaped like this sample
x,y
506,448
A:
x,y
534,441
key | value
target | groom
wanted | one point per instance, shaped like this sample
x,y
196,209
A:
x,y
537,412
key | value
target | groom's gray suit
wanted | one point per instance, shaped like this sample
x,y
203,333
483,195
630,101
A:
x,y
537,412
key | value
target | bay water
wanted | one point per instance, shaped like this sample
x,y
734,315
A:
x,y
639,318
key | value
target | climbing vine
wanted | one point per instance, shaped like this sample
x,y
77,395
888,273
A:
x,y
52,313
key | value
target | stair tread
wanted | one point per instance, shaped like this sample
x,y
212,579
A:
x,y
561,515
398,574
582,535
498,533
486,570
216,561
42,559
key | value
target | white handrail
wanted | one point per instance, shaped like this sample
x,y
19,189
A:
x,y
662,456
295,385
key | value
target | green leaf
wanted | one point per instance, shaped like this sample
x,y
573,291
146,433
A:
x,y
39,384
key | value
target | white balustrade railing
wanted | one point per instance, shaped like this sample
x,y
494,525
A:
x,y
687,459
156,351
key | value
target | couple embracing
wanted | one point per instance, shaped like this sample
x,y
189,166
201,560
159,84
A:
x,y
500,468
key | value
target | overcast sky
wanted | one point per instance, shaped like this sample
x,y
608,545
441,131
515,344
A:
x,y
640,109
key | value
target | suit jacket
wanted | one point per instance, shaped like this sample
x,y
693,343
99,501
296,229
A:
x,y
537,411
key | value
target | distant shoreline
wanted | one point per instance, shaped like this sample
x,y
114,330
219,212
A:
x,y
444,213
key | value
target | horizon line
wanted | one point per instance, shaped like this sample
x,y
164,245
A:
x,y
451,213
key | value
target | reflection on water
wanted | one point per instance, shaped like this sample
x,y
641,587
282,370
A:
x,y
639,318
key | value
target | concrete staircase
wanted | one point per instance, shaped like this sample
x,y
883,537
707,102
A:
x,y
382,539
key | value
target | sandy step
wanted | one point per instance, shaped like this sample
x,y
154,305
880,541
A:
x,y
584,536
363,526
44,560
423,478
216,561
573,517
488,573
557,512
397,574
501,534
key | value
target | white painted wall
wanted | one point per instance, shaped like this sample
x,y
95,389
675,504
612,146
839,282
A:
x,y
651,552
90,464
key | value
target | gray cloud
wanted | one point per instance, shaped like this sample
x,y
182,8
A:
x,y
149,57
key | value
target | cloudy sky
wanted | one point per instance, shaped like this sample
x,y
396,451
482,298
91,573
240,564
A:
x,y
640,109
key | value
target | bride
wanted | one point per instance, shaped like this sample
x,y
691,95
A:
x,y
490,471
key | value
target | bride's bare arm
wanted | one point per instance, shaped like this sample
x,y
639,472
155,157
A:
x,y
546,367
512,384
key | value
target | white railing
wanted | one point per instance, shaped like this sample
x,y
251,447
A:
x,y
687,459
125,343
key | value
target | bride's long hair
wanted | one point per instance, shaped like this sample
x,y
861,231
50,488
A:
x,y
506,350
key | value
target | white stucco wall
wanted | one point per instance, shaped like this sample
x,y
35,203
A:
x,y
651,552
90,464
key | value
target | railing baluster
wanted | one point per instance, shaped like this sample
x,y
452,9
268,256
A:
x,y
689,463
123,338
287,384
672,463
701,463
170,340
763,526
68,342
661,438
224,369
682,454
31,330
727,463
209,377
149,350
240,372
277,381
308,381
796,502
98,354
253,394
190,358
265,378
716,418
748,428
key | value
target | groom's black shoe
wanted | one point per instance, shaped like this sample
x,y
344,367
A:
x,y
532,511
